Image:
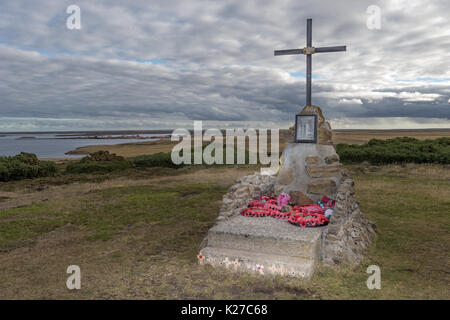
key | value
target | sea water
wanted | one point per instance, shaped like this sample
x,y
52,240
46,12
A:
x,y
48,145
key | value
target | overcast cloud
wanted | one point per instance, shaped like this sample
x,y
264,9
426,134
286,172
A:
x,y
162,64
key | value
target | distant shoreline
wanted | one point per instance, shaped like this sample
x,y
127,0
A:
x,y
169,131
78,143
95,138
353,136
92,132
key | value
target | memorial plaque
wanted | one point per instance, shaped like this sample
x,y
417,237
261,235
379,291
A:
x,y
306,128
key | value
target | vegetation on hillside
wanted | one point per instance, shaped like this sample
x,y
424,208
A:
x,y
398,150
104,162
376,151
100,161
25,165
160,159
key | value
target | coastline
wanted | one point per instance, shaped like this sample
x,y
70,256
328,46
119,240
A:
x,y
352,136
147,146
130,149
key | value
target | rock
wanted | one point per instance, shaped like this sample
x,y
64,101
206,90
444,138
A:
x,y
324,133
313,159
300,198
332,159
365,164
226,200
278,189
244,190
327,171
322,187
349,232
333,229
286,176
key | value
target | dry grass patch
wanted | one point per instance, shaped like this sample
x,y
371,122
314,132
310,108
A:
x,y
129,150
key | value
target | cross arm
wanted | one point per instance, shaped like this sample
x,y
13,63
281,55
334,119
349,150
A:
x,y
330,49
288,51
314,50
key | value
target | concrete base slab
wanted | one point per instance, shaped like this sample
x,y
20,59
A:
x,y
255,262
260,244
266,235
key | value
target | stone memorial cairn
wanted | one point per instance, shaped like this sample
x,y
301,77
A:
x,y
272,246
309,169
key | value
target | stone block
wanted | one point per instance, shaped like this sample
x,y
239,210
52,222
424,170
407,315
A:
x,y
332,238
286,176
333,229
242,192
322,187
300,198
312,160
324,134
327,171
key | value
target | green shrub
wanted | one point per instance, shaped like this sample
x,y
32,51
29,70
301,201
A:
x,y
160,159
47,168
99,162
397,150
25,166
102,155
4,172
164,160
28,158
97,166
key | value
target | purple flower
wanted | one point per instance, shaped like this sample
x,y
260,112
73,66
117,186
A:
x,y
283,199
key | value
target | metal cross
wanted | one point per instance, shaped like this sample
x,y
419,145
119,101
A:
x,y
309,50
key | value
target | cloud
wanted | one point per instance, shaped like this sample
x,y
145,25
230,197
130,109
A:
x,y
155,64
351,101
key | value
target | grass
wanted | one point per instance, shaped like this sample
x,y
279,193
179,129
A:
x,y
138,238
98,177
412,218
108,211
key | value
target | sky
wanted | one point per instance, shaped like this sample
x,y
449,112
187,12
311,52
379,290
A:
x,y
163,64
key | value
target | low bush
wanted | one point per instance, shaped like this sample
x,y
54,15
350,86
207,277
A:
x,y
160,159
164,160
97,166
25,166
99,162
102,156
397,150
